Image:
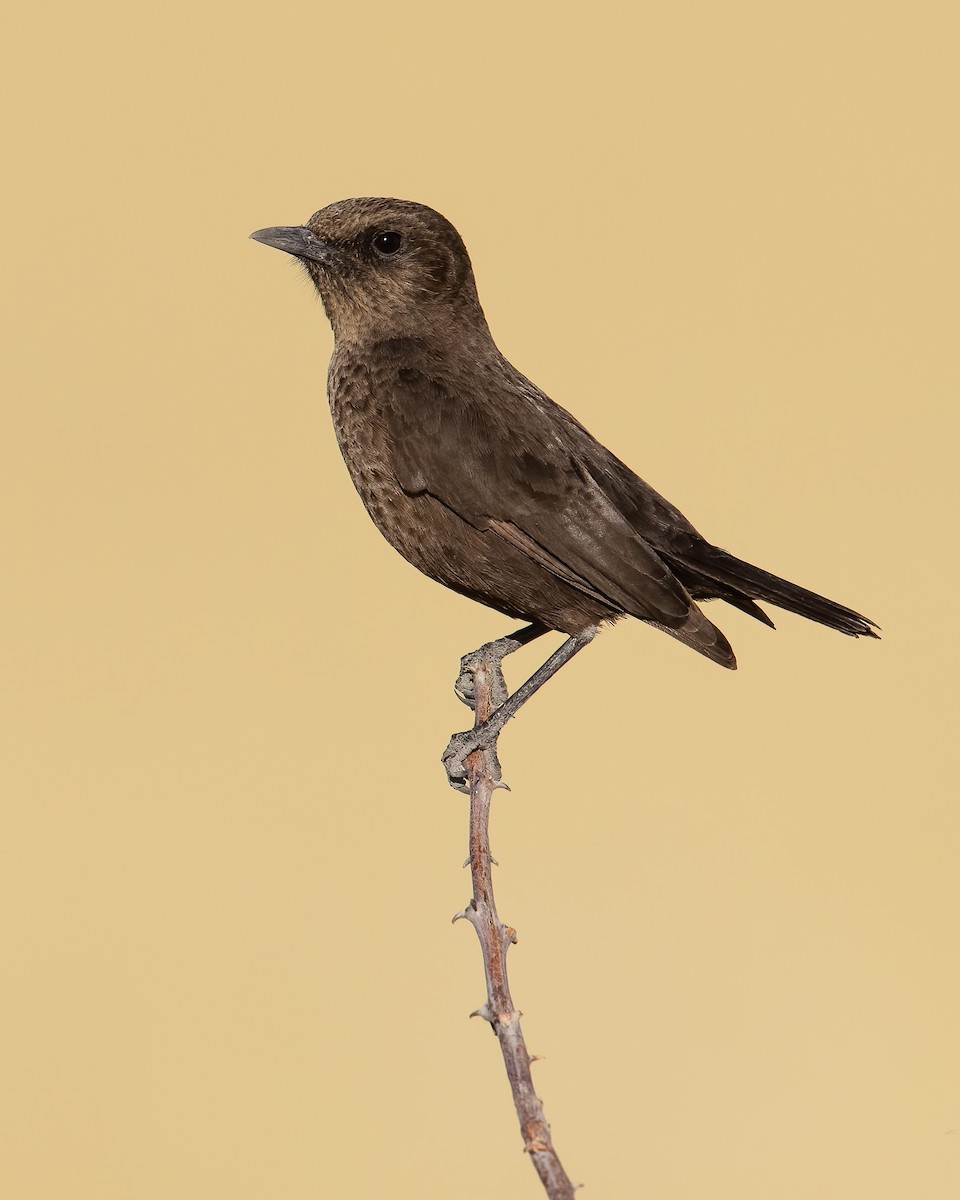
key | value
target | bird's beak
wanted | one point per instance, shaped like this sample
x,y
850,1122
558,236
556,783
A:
x,y
294,239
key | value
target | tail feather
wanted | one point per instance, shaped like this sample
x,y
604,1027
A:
x,y
745,604
758,584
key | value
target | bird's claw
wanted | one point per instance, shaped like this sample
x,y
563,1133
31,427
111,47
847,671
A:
x,y
459,749
487,657
465,688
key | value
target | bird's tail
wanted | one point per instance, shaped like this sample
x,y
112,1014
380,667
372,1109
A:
x,y
758,584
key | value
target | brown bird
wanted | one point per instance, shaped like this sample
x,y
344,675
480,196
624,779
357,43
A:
x,y
482,481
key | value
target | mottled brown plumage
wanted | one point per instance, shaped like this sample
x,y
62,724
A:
x,y
479,479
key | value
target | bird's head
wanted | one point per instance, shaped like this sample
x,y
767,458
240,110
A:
x,y
384,268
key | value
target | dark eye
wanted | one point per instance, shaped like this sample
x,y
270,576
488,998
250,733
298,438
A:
x,y
387,243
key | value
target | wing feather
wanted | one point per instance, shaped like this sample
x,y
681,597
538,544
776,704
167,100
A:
x,y
509,468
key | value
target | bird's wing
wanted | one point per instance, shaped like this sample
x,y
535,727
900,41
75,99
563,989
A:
x,y
502,464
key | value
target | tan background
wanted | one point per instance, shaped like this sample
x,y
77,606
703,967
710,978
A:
x,y
724,236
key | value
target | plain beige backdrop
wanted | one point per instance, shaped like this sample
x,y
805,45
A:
x,y
724,236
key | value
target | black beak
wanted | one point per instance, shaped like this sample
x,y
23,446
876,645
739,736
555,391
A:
x,y
294,239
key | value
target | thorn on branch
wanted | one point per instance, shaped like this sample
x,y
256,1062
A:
x,y
484,1011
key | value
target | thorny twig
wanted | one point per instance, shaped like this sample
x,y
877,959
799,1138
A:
x,y
487,691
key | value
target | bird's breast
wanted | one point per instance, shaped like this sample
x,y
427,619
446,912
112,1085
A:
x,y
357,397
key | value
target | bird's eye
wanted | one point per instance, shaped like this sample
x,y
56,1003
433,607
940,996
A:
x,y
387,243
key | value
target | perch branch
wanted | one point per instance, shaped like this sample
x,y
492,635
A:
x,y
482,670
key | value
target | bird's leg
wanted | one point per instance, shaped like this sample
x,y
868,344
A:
x,y
491,655
484,736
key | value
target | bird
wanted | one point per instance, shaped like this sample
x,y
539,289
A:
x,y
484,483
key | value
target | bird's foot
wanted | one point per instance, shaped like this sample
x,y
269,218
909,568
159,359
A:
x,y
459,749
489,659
